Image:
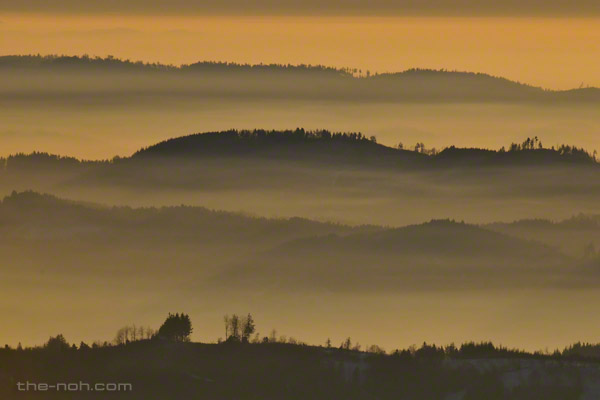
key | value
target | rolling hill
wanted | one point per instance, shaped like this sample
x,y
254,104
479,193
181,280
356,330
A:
x,y
440,254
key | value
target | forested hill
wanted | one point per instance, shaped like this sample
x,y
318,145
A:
x,y
219,79
320,146
354,147
292,145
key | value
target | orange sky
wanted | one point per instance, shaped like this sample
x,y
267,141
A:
x,y
550,52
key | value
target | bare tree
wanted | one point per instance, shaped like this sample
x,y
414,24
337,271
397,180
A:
x,y
273,336
234,327
248,327
127,331
226,320
120,337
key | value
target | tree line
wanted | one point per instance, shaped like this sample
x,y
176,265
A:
x,y
242,329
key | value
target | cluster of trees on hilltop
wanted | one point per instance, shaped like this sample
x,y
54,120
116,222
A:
x,y
229,137
216,66
300,134
177,327
239,328
64,61
564,150
132,333
43,160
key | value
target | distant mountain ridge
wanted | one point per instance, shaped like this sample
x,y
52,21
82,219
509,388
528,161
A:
x,y
223,79
57,63
438,237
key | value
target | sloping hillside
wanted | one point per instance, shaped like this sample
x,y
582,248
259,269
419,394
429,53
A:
x,y
434,255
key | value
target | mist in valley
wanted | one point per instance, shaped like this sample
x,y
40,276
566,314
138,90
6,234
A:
x,y
286,201
455,207
81,268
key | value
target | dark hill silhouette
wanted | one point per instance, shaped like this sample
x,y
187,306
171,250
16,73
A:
x,y
319,146
287,145
300,162
351,147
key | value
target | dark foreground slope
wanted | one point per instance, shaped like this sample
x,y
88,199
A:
x,y
178,371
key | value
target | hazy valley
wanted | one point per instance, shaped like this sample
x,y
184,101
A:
x,y
437,207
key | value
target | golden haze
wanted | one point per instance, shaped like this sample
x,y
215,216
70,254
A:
x,y
555,53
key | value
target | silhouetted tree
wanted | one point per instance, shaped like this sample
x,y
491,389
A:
x,y
234,328
248,328
57,343
177,327
346,344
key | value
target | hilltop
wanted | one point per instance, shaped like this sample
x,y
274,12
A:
x,y
323,145
440,254
290,145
